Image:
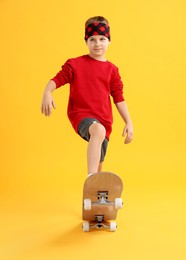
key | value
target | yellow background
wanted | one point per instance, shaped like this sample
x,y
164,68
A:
x,y
43,161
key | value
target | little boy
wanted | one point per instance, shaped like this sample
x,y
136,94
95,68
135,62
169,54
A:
x,y
92,81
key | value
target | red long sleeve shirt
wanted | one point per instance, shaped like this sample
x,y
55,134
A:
x,y
92,82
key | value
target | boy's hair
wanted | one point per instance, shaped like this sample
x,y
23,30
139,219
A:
x,y
98,19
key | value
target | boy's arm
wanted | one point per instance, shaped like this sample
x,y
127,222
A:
x,y
128,129
47,101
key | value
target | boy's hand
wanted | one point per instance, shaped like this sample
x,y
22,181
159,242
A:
x,y
128,132
47,103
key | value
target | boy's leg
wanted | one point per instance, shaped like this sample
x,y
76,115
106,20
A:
x,y
95,154
100,166
97,135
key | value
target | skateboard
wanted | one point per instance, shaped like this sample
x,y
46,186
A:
x,y
101,201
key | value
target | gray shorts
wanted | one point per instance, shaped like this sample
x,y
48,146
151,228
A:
x,y
83,130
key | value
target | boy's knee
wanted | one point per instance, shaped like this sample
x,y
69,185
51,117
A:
x,y
97,130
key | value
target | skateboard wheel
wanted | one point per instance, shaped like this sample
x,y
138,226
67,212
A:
x,y
87,204
86,226
118,203
113,226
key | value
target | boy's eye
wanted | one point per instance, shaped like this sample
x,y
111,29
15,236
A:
x,y
102,39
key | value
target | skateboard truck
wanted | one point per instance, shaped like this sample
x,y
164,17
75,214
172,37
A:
x,y
101,194
102,197
99,223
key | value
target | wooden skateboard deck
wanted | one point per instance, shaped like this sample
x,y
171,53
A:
x,y
95,186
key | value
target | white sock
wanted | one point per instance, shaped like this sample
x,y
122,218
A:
x,y
90,173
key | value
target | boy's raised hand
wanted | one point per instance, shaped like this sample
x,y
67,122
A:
x,y
47,103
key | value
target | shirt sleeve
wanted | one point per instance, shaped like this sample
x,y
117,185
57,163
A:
x,y
65,75
116,86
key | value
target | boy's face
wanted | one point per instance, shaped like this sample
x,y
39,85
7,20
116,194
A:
x,y
97,45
